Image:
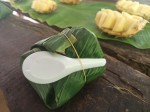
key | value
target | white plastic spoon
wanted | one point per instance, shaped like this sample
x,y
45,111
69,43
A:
x,y
44,67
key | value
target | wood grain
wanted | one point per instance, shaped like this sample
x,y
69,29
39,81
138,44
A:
x,y
136,58
105,93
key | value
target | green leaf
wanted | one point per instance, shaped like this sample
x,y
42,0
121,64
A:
x,y
4,11
56,94
83,15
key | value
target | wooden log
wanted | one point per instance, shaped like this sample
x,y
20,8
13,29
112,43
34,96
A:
x,y
136,58
120,89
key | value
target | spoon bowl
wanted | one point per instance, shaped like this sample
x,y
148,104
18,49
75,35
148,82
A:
x,y
45,67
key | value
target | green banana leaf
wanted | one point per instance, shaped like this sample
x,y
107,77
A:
x,y
4,10
82,15
85,42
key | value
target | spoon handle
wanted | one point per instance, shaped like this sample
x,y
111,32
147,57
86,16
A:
x,y
88,63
